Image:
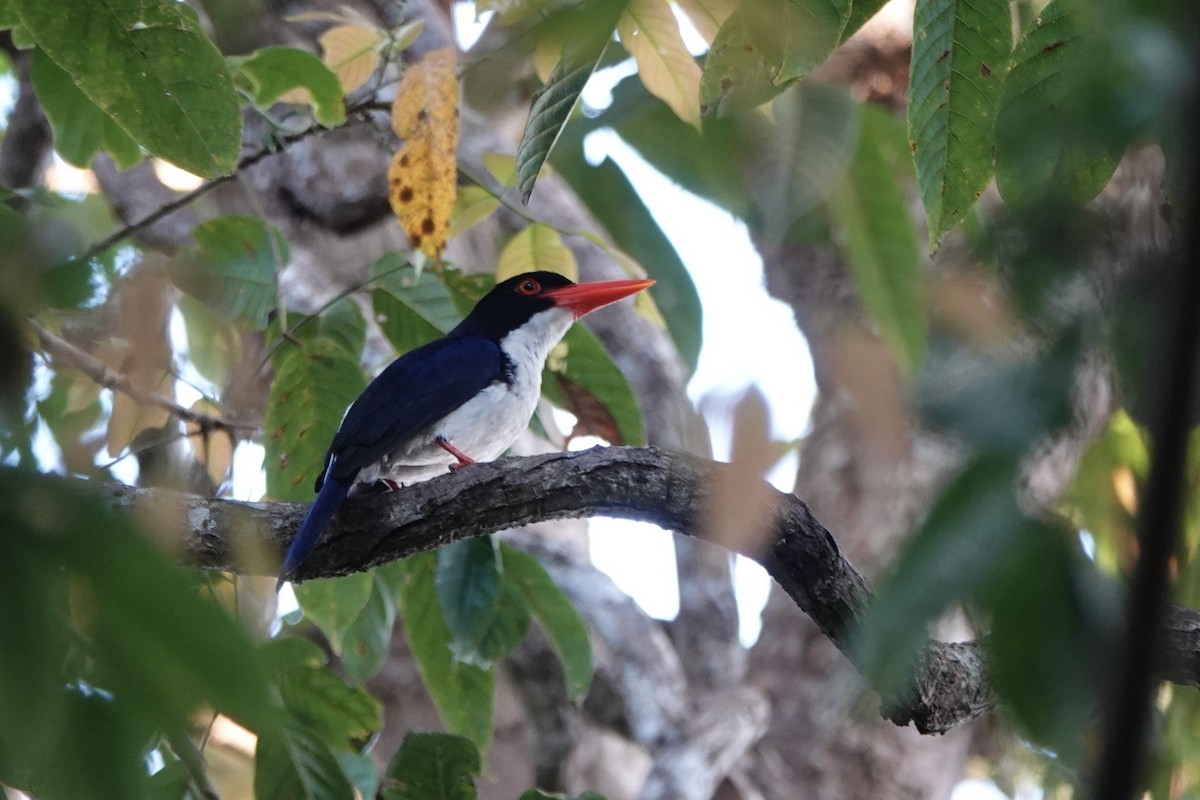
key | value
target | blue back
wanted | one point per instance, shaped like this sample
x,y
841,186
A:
x,y
415,391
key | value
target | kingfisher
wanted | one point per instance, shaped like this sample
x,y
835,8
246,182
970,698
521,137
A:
x,y
463,398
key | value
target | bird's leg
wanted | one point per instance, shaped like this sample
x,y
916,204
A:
x,y
377,486
463,458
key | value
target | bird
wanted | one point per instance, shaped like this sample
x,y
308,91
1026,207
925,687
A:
x,y
463,398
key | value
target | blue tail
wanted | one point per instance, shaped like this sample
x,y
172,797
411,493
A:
x,y
332,493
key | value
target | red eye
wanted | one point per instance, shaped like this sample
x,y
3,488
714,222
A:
x,y
529,287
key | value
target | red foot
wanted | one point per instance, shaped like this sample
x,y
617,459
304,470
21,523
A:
x,y
463,458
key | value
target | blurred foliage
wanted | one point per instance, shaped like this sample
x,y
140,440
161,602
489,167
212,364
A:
x,y
140,660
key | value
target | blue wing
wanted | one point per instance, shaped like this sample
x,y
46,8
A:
x,y
415,391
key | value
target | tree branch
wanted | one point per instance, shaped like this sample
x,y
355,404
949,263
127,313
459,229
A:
x,y
66,354
672,490
282,142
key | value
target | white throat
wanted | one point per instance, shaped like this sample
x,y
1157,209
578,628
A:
x,y
529,345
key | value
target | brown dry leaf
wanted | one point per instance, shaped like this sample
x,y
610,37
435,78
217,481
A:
x,y
352,53
82,392
214,451
874,393
593,418
229,755
970,304
741,508
423,176
141,351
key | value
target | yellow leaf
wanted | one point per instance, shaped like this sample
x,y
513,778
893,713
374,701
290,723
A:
x,y
503,168
406,34
82,392
128,419
422,178
537,247
352,53
214,451
708,15
547,52
650,33
473,205
643,303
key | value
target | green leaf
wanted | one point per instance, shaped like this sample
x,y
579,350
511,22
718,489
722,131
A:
x,y
536,247
148,65
8,17
566,630
878,241
593,22
466,289
588,365
612,200
1048,147
172,782
344,324
472,205
964,535
765,46
462,693
699,162
361,770
411,309
153,647
1094,501
551,108
469,583
1005,407
276,71
110,754
214,344
317,700
508,627
315,382
295,764
366,642
333,604
1052,623
960,51
817,129
434,766
861,12
80,127
232,268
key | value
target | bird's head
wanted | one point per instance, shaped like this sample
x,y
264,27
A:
x,y
542,300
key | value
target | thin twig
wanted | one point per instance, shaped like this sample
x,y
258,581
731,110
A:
x,y
61,350
250,160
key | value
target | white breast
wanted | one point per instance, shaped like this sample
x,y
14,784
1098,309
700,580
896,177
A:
x,y
488,424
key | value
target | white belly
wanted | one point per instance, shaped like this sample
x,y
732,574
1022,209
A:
x,y
483,428
488,424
